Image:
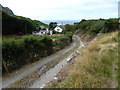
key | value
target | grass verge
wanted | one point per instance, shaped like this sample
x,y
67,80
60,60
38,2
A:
x,y
97,67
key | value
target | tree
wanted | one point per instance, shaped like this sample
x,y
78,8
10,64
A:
x,y
52,25
83,20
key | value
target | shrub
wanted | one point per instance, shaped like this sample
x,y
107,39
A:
x,y
28,49
18,52
96,26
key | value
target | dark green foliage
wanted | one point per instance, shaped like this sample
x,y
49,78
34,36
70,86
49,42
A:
x,y
69,28
61,43
38,23
12,24
11,51
18,52
69,31
69,34
54,32
110,25
48,45
83,20
96,26
52,25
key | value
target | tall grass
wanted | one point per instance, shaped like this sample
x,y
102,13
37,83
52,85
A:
x,y
94,68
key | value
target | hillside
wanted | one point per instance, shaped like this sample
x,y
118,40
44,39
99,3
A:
x,y
96,67
8,10
12,24
90,28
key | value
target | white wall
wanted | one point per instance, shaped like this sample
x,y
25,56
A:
x,y
58,29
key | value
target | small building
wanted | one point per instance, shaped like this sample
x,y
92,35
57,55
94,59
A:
x,y
59,28
42,31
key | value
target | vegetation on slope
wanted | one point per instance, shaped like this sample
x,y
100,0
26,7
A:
x,y
97,67
92,69
12,24
96,26
93,27
22,50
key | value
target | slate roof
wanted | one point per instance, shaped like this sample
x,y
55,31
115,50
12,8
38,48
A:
x,y
62,26
42,27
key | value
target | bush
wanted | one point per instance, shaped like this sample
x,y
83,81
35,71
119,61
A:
x,y
60,43
12,50
18,52
28,49
96,26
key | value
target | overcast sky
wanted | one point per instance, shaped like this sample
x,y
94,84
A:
x,y
63,9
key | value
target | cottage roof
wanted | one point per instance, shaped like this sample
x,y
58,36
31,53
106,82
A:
x,y
62,26
42,27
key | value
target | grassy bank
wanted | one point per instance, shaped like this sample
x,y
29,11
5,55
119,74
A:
x,y
27,49
97,67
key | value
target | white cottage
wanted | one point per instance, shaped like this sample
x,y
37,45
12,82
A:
x,y
59,28
42,31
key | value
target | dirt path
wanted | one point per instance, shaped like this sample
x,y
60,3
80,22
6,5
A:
x,y
40,64
51,74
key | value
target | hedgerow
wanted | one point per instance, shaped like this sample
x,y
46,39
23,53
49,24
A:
x,y
28,49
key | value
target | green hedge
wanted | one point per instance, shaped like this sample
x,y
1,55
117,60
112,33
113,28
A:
x,y
18,52
61,43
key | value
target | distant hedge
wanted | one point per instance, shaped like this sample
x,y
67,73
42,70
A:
x,y
18,52
96,26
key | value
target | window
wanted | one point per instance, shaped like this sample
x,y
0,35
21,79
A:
x,y
58,29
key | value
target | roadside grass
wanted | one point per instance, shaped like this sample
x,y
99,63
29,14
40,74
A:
x,y
96,65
